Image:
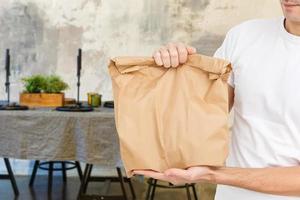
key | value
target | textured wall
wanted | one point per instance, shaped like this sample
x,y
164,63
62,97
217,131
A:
x,y
44,35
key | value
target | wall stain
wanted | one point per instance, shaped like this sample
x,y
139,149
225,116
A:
x,y
208,43
22,30
173,20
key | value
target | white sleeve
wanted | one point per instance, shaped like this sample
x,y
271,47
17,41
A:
x,y
225,52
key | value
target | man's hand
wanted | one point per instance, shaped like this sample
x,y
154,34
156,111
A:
x,y
173,54
180,176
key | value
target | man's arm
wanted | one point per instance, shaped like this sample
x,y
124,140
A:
x,y
279,180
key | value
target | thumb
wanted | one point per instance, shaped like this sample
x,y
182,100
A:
x,y
191,50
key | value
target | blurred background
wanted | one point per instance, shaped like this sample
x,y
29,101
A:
x,y
44,36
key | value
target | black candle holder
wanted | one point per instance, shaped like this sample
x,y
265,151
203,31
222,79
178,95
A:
x,y
9,105
78,107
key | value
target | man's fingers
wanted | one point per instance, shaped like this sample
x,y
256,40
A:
x,y
182,52
178,173
165,57
152,174
173,55
157,58
149,173
191,50
174,176
178,176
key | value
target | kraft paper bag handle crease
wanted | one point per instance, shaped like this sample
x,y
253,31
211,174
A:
x,y
217,68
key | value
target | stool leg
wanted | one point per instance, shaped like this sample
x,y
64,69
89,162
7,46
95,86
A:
x,y
64,171
122,182
50,176
88,178
79,170
195,192
11,177
84,181
131,189
153,189
187,187
34,171
149,188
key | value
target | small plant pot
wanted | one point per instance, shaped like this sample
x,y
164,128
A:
x,y
42,99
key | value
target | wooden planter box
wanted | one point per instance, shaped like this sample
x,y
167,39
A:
x,y
42,99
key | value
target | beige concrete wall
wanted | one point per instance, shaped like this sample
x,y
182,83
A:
x,y
44,35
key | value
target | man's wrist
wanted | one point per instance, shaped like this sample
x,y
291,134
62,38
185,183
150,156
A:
x,y
217,175
210,176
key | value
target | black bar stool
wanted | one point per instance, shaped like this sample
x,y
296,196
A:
x,y
51,168
10,176
153,185
88,178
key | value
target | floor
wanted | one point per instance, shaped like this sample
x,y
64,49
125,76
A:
x,y
69,190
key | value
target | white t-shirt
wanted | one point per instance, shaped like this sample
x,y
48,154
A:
x,y
266,78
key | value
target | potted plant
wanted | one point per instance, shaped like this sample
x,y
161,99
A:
x,y
43,91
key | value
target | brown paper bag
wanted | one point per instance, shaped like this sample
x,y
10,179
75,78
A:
x,y
176,117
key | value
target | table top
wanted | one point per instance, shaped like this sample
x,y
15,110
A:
x,y
102,111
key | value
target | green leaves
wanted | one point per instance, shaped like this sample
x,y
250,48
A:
x,y
34,84
54,84
43,83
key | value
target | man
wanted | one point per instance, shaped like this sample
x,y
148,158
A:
x,y
264,91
